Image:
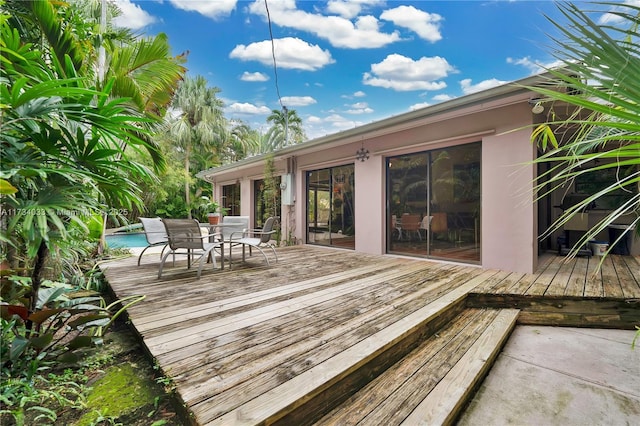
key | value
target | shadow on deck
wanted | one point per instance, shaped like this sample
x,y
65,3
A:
x,y
336,337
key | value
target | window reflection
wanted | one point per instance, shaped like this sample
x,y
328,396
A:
x,y
434,203
330,210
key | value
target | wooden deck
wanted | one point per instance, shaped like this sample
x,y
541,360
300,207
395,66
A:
x,y
324,332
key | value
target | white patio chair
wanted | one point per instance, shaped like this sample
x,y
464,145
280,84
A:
x,y
155,233
186,234
425,225
256,238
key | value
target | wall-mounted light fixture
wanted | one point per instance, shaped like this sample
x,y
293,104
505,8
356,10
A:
x,y
362,154
538,108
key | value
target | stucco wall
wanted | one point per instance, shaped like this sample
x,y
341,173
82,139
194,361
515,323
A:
x,y
370,205
508,211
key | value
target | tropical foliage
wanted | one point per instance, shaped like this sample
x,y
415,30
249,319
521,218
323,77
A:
x,y
286,129
66,133
601,65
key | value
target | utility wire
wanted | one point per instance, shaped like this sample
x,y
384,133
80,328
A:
x,y
273,55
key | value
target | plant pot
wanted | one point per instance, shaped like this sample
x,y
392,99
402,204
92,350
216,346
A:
x,y
214,218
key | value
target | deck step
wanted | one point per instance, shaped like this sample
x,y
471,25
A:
x,y
431,384
308,396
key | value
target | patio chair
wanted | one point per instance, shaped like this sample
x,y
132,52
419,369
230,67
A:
x,y
411,225
186,234
232,225
155,234
256,238
425,225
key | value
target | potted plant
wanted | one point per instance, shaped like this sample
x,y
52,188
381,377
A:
x,y
211,208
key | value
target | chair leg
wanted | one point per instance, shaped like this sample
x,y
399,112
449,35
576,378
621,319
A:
x,y
273,249
164,258
263,253
203,259
140,257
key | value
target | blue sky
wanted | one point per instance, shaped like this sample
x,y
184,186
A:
x,y
342,64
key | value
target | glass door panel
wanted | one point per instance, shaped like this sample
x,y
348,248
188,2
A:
x,y
455,203
407,198
330,213
434,203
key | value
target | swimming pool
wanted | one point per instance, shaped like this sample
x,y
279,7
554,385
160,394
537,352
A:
x,y
127,240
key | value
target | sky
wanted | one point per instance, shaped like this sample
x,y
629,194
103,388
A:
x,y
341,64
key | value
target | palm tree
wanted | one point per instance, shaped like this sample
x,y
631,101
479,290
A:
x,y
198,124
60,138
600,72
286,128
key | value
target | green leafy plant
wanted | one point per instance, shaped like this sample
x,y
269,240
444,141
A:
x,y
598,80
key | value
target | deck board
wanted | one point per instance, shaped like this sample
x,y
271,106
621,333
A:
x,y
391,397
257,342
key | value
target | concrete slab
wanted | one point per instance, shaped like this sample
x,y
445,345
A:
x,y
561,376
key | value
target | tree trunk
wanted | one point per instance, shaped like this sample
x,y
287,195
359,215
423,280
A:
x,y
187,187
36,279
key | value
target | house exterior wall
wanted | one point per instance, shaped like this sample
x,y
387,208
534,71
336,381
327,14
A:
x,y
508,231
370,205
508,212
500,120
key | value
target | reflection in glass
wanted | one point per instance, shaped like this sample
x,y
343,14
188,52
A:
x,y
433,200
330,210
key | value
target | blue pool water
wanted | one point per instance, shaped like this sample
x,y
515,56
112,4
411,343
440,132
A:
x,y
128,240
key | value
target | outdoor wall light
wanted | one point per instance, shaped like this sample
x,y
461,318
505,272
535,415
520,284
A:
x,y
538,108
362,154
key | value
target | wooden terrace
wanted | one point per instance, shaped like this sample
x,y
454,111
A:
x,y
330,336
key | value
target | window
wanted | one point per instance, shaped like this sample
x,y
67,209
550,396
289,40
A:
x,y
591,183
267,202
231,199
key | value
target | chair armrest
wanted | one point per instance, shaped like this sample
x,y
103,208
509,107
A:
x,y
252,232
240,234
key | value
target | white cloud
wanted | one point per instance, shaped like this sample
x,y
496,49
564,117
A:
x,y
364,32
315,126
211,9
339,122
533,66
290,53
254,76
359,108
298,100
468,88
133,16
611,18
403,74
426,25
418,106
350,8
442,97
358,94
247,108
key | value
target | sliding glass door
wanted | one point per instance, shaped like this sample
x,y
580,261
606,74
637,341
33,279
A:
x,y
330,211
433,203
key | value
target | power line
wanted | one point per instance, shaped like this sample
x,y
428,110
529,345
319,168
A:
x,y
273,55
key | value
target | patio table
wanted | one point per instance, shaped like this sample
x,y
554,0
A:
x,y
214,231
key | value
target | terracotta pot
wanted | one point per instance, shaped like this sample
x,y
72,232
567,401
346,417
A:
x,y
213,219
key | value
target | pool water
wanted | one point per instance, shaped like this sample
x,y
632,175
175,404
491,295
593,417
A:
x,y
128,240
